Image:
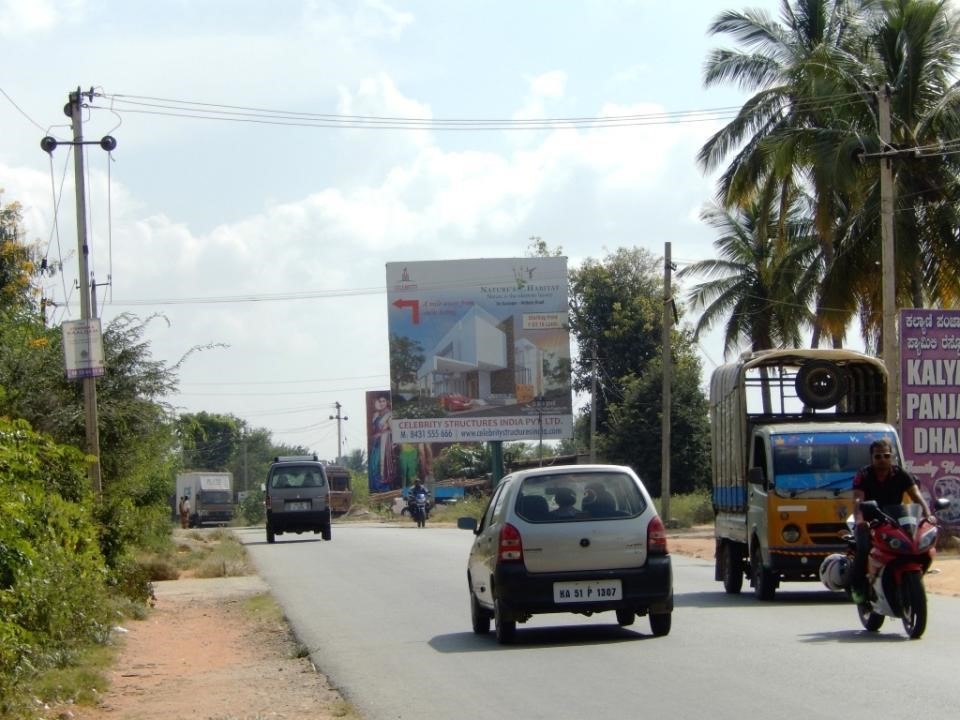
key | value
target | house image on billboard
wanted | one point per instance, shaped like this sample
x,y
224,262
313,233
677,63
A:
x,y
478,358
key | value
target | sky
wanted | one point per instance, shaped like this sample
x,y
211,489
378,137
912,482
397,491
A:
x,y
258,238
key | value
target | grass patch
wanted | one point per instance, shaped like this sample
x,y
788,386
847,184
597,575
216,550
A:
x,y
468,507
205,553
225,557
82,682
695,508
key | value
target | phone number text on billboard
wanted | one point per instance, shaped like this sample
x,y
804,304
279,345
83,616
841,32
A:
x,y
550,427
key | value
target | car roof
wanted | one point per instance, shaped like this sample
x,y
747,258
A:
x,y
569,470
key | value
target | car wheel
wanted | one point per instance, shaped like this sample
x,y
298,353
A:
x,y
506,626
660,623
479,617
270,537
625,616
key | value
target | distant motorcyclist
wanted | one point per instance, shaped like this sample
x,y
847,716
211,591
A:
x,y
419,492
885,483
418,488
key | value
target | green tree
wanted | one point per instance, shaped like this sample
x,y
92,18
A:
x,y
18,263
209,440
616,311
634,431
356,461
763,279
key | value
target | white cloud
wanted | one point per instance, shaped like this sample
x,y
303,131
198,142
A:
x,y
24,17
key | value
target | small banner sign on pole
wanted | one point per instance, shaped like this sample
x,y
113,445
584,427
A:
x,y
83,349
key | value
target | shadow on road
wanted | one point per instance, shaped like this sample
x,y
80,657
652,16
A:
x,y
745,599
559,636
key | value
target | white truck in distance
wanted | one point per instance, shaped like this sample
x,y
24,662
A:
x,y
210,495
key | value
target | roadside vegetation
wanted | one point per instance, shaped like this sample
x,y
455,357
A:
x,y
797,215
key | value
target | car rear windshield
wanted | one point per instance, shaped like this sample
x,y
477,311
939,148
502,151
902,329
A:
x,y
567,497
296,477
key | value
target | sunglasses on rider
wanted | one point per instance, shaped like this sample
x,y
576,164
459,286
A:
x,y
881,456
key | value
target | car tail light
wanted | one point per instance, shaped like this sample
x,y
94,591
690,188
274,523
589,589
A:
x,y
656,537
511,545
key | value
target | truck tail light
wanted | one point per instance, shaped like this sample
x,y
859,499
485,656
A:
x,y
656,537
511,545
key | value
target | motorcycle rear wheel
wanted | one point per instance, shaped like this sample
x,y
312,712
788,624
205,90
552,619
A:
x,y
870,620
913,600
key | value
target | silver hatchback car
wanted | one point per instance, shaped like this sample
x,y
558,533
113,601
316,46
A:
x,y
573,538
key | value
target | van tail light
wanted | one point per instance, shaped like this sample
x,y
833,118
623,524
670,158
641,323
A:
x,y
267,502
511,545
656,537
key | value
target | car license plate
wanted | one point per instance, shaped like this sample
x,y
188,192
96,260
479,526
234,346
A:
x,y
587,591
297,505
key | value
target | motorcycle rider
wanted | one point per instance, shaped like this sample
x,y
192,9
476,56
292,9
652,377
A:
x,y
885,483
418,488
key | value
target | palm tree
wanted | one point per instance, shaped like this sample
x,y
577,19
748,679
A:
x,y
764,278
914,49
816,75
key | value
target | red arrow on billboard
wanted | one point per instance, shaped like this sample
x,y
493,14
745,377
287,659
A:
x,y
413,304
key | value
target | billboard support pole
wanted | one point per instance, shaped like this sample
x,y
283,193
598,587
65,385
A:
x,y
496,462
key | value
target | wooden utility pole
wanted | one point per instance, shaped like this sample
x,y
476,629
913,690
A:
x,y
667,381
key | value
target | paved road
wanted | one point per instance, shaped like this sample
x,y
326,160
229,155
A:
x,y
383,609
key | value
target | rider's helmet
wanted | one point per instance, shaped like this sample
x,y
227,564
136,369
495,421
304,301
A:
x,y
835,572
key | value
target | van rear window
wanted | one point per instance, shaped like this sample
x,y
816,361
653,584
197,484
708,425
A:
x,y
294,477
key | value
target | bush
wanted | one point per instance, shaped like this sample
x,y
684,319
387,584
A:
x,y
53,591
252,508
694,508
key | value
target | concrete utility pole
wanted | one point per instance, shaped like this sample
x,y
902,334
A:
x,y
891,355
74,109
667,381
593,403
338,418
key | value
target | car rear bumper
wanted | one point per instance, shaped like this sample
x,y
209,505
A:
x,y
301,521
645,589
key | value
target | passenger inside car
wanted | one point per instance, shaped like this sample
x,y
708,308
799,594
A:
x,y
598,501
566,501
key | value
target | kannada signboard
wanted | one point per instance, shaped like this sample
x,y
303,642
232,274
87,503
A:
x,y
479,350
82,349
930,402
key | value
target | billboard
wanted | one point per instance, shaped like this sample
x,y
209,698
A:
x,y
479,350
392,466
930,402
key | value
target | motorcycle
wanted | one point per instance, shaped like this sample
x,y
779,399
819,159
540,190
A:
x,y
903,545
419,508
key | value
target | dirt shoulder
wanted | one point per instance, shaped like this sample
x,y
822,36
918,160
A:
x,y
202,655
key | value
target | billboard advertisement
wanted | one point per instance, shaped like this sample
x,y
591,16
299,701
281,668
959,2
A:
x,y
479,350
930,403
390,465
